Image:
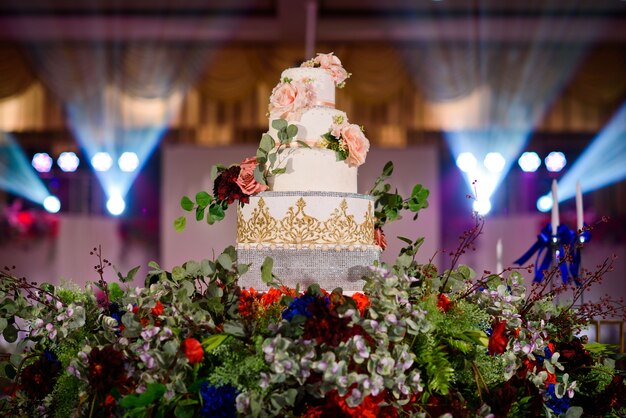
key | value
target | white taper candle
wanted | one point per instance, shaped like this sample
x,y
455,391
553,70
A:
x,y
555,208
579,207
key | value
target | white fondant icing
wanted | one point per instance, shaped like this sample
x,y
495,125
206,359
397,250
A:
x,y
314,169
322,82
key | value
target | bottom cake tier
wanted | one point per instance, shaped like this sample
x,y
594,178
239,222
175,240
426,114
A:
x,y
330,269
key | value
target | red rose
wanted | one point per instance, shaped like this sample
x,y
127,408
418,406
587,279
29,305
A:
x,y
158,308
498,340
443,302
193,350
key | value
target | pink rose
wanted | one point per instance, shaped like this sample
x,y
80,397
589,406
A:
x,y
246,181
333,66
357,144
289,99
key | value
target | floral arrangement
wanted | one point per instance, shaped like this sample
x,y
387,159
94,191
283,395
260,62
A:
x,y
332,64
347,140
415,342
23,225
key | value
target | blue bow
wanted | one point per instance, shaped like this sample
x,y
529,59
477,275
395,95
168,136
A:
x,y
542,244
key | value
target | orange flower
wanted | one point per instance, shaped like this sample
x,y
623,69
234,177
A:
x,y
158,308
379,238
362,302
193,350
551,379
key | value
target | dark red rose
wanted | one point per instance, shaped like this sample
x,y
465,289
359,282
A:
x,y
499,339
573,354
226,188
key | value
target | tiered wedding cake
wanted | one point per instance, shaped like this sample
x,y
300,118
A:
x,y
312,221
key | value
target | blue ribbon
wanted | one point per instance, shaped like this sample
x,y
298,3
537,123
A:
x,y
542,244
574,268
566,236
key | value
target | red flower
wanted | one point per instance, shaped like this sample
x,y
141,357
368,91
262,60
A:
x,y
226,188
551,378
379,238
106,368
247,300
158,308
498,339
362,302
443,303
193,350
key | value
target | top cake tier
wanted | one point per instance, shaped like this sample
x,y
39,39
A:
x,y
323,83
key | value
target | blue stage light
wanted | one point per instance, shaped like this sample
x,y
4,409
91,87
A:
x,y
544,203
466,162
494,162
101,161
555,161
42,162
68,162
529,162
128,162
482,207
116,204
52,204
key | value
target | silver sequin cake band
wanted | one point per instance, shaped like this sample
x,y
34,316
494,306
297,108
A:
x,y
329,269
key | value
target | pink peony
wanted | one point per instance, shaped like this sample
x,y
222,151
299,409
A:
x,y
333,66
246,180
289,99
356,143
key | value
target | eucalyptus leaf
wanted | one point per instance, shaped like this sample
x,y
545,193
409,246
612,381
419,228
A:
x,y
267,143
180,223
200,213
266,270
186,203
10,333
216,213
225,261
234,328
216,170
3,324
203,199
279,124
388,169
292,131
259,176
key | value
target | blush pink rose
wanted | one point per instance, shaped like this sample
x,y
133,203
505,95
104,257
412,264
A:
x,y
333,66
246,181
356,143
289,99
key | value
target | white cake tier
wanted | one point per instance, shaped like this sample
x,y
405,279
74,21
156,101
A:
x,y
322,83
313,123
314,169
315,220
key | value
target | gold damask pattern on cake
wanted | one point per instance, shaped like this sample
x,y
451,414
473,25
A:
x,y
299,228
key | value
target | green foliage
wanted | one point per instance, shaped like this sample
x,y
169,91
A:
x,y
434,359
65,395
232,363
388,205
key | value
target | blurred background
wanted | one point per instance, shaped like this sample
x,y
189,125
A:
x,y
111,111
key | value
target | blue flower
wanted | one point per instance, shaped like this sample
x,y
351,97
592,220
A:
x,y
218,402
559,406
299,306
